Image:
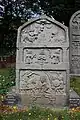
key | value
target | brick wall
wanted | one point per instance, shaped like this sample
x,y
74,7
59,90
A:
x,y
7,61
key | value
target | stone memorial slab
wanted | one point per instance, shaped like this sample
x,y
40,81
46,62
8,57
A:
x,y
75,43
42,62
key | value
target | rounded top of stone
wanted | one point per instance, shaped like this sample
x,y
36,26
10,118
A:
x,y
74,15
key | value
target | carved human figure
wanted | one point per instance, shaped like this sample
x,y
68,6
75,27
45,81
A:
x,y
42,57
57,83
29,35
44,90
55,57
29,57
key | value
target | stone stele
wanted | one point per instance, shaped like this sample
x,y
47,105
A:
x,y
42,63
75,43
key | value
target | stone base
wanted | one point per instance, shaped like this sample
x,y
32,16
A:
x,y
58,102
74,100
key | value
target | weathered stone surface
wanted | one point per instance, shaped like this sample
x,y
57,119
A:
x,y
42,62
75,43
74,100
12,99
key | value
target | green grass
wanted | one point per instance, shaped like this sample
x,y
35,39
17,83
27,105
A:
x,y
75,84
36,113
7,79
4,71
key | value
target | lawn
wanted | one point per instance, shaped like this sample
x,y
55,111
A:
x,y
75,84
4,71
7,79
37,113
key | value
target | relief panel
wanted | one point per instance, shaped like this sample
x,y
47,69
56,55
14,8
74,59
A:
x,y
43,83
43,56
42,32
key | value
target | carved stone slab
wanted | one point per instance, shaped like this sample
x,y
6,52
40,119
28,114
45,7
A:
x,y
41,33
75,43
40,57
42,62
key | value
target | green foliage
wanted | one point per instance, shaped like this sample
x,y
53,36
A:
x,y
75,84
12,75
37,113
7,79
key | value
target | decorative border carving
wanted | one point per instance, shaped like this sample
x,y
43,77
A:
x,y
43,56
